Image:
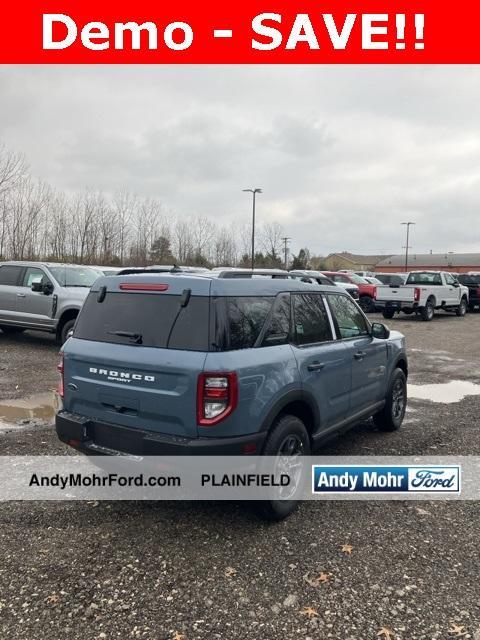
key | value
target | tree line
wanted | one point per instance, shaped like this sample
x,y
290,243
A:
x,y
39,222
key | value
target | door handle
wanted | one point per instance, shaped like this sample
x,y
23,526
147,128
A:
x,y
316,366
20,295
360,355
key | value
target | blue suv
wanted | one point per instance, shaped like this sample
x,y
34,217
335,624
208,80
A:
x,y
167,364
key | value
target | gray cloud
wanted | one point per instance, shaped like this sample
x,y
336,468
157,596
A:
x,y
344,154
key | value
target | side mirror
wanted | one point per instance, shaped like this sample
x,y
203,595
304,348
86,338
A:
x,y
456,285
47,288
37,286
380,331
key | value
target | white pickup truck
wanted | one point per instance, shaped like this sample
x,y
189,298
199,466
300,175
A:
x,y
423,293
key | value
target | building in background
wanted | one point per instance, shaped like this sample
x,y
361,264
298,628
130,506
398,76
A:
x,y
456,262
350,261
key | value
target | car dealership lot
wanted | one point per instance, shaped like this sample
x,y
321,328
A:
x,y
153,570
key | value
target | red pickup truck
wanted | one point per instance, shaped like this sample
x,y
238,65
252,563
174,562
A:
x,y
367,291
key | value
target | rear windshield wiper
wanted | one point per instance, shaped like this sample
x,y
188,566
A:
x,y
134,337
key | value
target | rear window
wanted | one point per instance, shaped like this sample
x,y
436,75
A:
x,y
148,320
425,277
10,275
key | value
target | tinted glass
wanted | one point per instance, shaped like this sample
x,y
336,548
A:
x,y
9,275
424,278
75,276
33,274
245,319
469,279
310,319
357,279
349,320
158,319
279,324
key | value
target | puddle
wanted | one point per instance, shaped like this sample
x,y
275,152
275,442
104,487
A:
x,y
41,406
446,393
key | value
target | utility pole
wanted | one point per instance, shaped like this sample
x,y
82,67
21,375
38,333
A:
x,y
285,251
254,193
407,247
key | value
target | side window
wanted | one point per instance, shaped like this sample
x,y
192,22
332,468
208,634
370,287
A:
x,y
449,279
32,274
246,317
9,275
311,323
349,320
437,279
278,331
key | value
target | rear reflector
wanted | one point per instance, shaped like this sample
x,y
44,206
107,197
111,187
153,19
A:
x,y
139,286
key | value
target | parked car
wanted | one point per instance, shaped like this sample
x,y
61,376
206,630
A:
x,y
320,278
168,364
472,282
373,280
395,279
366,290
423,293
44,296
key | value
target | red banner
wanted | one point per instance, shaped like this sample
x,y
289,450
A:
x,y
254,31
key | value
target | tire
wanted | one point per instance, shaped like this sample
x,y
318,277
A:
x,y
287,429
471,308
367,304
461,310
10,330
390,418
388,314
62,333
428,311
407,312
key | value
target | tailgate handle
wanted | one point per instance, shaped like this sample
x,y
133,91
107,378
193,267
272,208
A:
x,y
120,408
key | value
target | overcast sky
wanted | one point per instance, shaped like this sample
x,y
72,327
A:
x,y
344,154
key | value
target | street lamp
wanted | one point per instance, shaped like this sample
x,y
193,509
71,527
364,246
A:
x,y
407,224
254,193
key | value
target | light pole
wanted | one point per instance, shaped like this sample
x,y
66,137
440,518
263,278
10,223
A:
x,y
254,193
407,224
285,251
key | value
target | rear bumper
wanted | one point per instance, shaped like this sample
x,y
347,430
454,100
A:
x,y
395,304
101,438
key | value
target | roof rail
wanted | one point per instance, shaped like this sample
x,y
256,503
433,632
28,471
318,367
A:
x,y
248,273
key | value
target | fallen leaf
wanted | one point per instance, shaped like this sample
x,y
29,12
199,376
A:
x,y
347,548
53,599
178,636
230,572
318,580
457,630
386,633
309,612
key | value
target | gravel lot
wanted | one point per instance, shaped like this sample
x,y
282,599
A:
x,y
169,570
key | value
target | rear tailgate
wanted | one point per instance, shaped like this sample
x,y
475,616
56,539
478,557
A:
x,y
387,293
136,355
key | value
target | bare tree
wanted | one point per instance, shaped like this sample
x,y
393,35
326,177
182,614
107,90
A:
x,y
13,167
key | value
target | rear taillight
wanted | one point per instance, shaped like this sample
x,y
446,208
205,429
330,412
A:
x,y
217,397
60,389
478,292
374,293
416,295
141,286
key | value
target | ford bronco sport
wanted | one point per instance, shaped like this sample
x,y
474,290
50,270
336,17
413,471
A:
x,y
167,364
